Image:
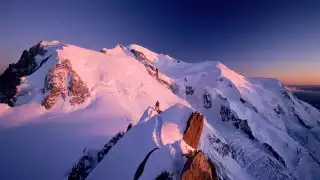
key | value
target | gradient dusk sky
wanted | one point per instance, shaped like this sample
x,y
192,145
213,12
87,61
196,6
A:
x,y
255,38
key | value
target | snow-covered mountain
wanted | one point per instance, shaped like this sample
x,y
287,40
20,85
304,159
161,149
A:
x,y
71,108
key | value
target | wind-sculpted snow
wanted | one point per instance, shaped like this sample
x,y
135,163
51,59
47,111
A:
x,y
253,128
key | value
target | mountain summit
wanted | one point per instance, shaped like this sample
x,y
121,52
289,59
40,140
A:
x,y
73,113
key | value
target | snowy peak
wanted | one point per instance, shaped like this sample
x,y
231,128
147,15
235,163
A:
x,y
52,81
66,74
30,61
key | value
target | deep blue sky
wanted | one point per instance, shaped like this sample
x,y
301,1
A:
x,y
256,38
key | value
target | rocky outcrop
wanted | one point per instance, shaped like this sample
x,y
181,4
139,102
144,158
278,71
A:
x,y
279,110
198,167
193,130
104,50
300,121
26,65
242,124
213,170
152,70
192,136
274,154
63,81
243,101
139,55
37,50
221,147
164,176
91,159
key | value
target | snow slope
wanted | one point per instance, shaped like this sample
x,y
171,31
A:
x,y
160,131
121,90
272,121
254,128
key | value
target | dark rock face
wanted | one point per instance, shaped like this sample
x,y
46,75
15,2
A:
x,y
139,55
129,127
189,90
193,130
222,148
221,97
274,154
213,169
82,168
26,65
63,81
267,168
300,121
151,69
199,168
286,95
37,50
164,176
242,124
279,110
255,109
243,101
104,51
207,101
106,148
89,161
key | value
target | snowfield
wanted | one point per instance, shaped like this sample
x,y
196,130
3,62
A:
x,y
254,128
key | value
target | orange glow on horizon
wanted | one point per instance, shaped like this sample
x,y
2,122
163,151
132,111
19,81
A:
x,y
289,75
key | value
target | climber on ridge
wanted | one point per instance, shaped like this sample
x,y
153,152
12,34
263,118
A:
x,y
157,72
157,107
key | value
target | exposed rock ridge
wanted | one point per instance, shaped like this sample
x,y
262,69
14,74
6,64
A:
x,y
63,81
228,115
152,70
193,130
82,168
197,166
26,65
